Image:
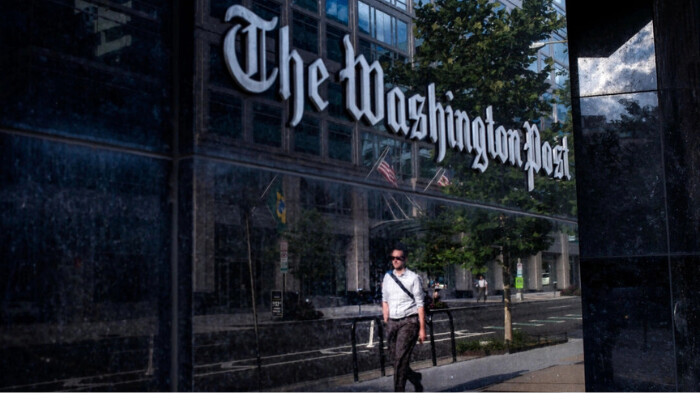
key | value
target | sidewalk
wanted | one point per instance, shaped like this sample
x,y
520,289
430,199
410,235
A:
x,y
557,368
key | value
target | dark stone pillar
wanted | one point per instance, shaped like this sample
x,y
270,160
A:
x,y
635,77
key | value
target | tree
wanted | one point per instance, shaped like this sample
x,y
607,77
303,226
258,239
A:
x,y
309,236
481,53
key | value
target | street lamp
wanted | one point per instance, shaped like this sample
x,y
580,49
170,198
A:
x,y
539,44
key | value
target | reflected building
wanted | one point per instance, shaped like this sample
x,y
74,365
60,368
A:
x,y
147,198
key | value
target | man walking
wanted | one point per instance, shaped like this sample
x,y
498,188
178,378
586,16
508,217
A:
x,y
483,287
404,315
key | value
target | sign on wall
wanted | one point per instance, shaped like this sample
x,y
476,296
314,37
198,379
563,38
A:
x,y
418,117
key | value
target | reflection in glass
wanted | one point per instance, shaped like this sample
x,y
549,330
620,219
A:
x,y
620,143
305,32
630,68
267,125
307,136
87,70
83,255
337,10
336,238
334,41
339,142
397,153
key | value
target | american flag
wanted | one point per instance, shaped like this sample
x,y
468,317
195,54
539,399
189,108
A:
x,y
444,180
387,171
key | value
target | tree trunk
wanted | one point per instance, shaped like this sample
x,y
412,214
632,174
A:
x,y
507,320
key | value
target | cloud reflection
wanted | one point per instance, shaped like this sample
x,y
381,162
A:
x,y
630,68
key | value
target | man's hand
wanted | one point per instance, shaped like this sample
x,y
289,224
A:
x,y
421,335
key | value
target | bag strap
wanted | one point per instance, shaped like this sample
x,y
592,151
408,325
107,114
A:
x,y
398,282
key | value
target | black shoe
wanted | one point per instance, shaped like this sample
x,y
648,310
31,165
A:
x,y
417,383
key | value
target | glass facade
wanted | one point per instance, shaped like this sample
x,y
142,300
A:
x,y
155,212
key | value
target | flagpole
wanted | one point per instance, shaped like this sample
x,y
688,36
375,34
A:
x,y
268,187
441,169
398,206
379,160
389,206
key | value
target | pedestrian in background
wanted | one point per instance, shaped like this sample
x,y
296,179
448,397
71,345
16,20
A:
x,y
404,315
482,285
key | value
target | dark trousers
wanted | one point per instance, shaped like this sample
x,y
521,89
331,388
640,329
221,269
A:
x,y
402,336
482,294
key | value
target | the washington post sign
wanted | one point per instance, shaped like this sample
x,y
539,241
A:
x,y
417,117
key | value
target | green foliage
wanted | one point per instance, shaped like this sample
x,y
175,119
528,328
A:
x,y
308,235
482,54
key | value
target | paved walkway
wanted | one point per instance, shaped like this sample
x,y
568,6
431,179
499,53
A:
x,y
557,368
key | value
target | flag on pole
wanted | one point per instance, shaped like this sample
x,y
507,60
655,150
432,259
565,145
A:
x,y
444,179
387,171
277,203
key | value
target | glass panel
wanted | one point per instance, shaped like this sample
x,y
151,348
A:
x,y
334,44
217,8
84,255
397,154
307,4
623,177
87,70
305,32
337,10
630,68
225,115
324,245
363,17
339,142
336,102
402,35
267,125
561,52
307,137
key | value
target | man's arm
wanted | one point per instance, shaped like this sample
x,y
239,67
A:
x,y
385,311
421,322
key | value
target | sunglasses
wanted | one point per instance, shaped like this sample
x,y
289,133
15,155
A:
x,y
397,258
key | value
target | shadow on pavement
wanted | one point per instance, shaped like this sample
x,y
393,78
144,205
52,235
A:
x,y
484,382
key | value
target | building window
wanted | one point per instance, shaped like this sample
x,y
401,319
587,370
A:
x,y
217,8
398,155
334,43
267,125
339,142
428,167
311,5
336,106
225,115
305,32
561,52
307,138
382,26
399,4
374,51
266,9
337,10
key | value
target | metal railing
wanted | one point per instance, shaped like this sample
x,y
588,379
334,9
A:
x,y
380,346
432,335
382,358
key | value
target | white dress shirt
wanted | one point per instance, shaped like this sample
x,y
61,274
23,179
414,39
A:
x,y
400,304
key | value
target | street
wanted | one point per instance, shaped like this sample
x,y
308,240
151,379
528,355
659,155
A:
x,y
292,352
306,351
